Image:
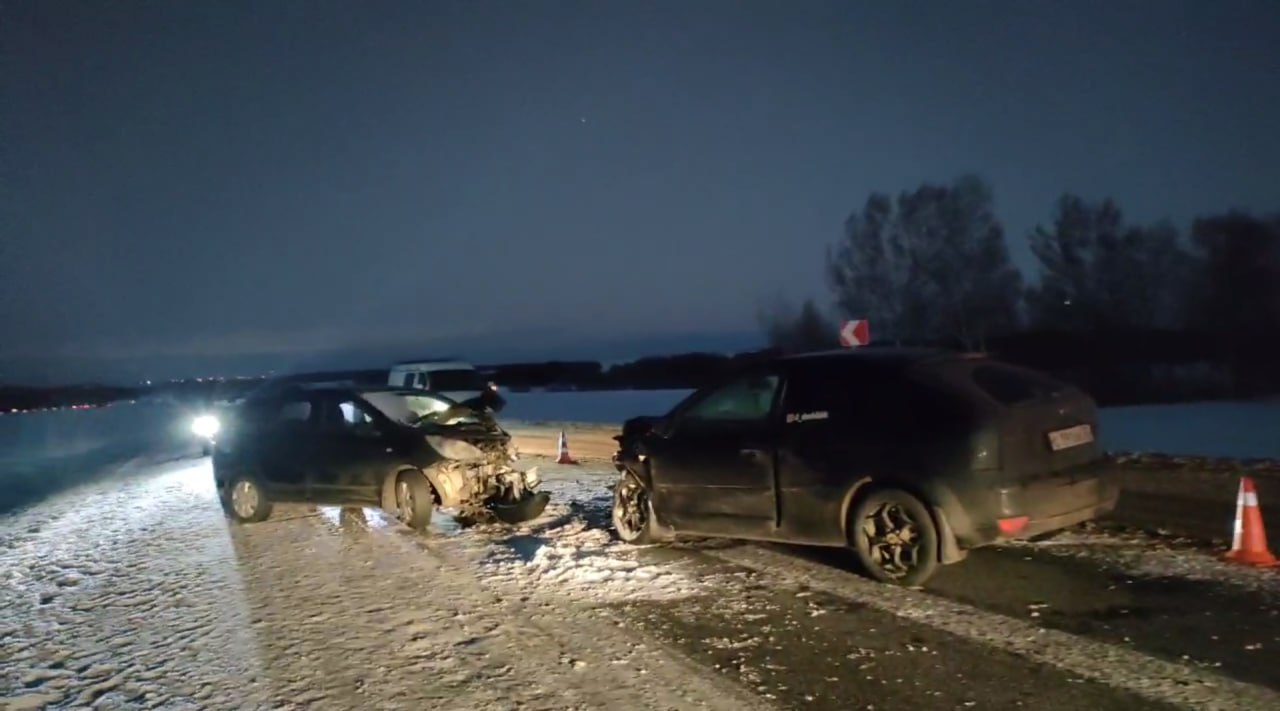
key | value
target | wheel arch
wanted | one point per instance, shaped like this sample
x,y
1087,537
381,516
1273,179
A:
x,y
644,475
936,500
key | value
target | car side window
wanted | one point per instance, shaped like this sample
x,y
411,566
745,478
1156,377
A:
x,y
854,401
865,403
810,398
352,418
747,400
292,415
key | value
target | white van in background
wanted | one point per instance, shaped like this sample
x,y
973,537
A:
x,y
455,379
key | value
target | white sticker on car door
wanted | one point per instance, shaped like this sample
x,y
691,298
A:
x,y
797,417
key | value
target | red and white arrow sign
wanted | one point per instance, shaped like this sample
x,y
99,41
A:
x,y
855,333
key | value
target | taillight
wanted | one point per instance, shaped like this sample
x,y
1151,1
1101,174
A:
x,y
1012,526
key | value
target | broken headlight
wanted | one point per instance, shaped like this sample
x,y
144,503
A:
x,y
456,449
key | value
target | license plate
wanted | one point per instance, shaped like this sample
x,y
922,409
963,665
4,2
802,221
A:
x,y
1070,437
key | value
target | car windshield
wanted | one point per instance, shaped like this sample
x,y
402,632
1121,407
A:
x,y
419,409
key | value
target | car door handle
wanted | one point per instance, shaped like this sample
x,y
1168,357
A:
x,y
751,453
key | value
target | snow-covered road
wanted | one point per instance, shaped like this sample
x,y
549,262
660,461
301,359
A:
x,y
135,592
138,593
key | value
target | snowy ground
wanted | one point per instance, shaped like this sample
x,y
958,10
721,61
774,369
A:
x,y
139,594
44,452
135,592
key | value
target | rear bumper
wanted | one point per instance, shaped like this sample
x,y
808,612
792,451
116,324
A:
x,y
1032,508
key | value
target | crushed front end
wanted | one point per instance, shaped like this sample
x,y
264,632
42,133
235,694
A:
x,y
476,475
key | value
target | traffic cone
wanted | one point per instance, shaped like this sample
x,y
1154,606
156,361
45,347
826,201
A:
x,y
1249,543
562,457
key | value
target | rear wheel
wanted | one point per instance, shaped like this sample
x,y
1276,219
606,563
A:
x,y
633,511
894,537
245,501
414,500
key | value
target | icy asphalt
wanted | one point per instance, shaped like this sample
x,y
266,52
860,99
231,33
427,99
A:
x,y
134,592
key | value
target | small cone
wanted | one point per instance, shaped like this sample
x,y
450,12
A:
x,y
562,457
1249,543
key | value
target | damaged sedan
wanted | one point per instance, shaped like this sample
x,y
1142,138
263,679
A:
x,y
908,457
406,451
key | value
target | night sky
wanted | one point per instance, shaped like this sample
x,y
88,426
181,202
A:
x,y
223,178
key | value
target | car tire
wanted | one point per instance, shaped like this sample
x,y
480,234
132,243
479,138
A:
x,y
414,500
632,514
246,501
894,537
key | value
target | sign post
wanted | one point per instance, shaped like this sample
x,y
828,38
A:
x,y
855,333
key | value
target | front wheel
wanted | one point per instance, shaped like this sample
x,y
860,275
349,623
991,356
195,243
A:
x,y
894,537
414,500
633,512
246,502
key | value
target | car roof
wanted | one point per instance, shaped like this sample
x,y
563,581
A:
x,y
433,364
357,388
885,357
293,390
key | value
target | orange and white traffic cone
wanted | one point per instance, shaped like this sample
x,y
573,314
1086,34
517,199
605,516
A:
x,y
562,456
1249,543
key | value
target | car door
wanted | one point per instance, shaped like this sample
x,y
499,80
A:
x,y
354,451
842,423
713,466
286,448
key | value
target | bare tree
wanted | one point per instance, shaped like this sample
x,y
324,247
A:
x,y
801,330
869,269
1096,272
932,264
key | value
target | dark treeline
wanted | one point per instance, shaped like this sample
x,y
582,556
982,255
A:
x,y
684,370
676,371
1134,312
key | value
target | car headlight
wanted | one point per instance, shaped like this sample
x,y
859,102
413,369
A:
x,y
206,426
450,448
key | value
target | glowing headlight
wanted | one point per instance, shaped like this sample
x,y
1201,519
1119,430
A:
x,y
455,448
205,426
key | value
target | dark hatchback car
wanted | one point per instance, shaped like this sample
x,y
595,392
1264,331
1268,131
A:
x,y
908,457
406,451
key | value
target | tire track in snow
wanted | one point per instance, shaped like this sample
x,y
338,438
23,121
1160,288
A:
x,y
125,593
1117,667
576,644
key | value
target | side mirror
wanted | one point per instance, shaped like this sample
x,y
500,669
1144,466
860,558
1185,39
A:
x,y
493,400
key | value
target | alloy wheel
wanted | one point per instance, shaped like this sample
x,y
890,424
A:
x,y
404,501
894,539
631,509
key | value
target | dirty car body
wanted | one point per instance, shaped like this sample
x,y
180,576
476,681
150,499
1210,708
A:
x,y
911,457
352,446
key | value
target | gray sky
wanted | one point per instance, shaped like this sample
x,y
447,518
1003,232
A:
x,y
230,177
